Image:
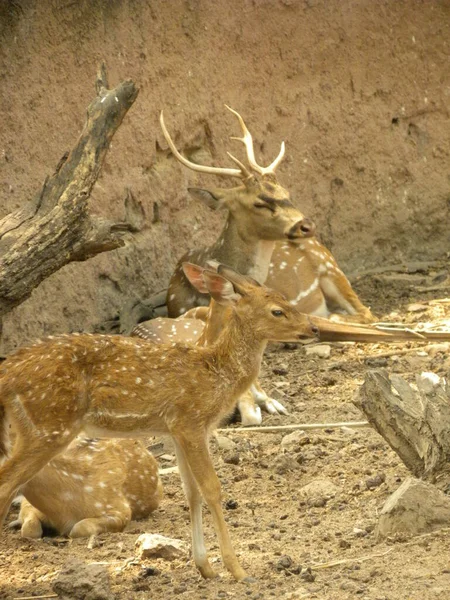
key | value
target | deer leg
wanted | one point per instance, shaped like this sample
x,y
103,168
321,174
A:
x,y
268,404
195,508
112,522
250,412
338,292
199,461
31,520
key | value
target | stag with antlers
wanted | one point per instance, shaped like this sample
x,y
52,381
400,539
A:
x,y
259,213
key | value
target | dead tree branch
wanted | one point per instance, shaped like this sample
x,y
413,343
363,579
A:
x,y
55,228
414,420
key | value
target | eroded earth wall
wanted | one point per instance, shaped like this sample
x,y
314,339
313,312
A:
x,y
360,91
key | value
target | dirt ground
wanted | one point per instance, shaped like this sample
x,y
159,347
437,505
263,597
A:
x,y
295,548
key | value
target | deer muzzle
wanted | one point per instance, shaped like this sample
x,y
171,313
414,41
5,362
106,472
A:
x,y
302,229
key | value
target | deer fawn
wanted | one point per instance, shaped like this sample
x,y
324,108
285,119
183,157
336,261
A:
x,y
114,386
259,213
202,326
95,486
308,275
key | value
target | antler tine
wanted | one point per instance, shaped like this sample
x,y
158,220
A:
x,y
271,168
247,140
242,167
242,174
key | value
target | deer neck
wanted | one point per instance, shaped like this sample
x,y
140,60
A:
x,y
245,253
237,353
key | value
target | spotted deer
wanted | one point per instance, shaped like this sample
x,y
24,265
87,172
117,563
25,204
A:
x,y
114,386
310,278
95,486
202,325
259,213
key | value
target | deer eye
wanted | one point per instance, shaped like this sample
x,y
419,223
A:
x,y
277,312
263,205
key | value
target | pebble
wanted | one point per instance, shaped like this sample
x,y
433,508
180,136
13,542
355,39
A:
x,y
153,545
374,482
320,350
231,458
293,441
225,443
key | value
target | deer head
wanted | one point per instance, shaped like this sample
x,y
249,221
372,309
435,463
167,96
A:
x,y
260,206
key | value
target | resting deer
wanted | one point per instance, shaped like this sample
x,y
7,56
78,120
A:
x,y
309,276
259,213
95,486
114,386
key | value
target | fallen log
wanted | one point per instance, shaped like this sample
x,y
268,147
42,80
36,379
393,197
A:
x,y
414,420
55,228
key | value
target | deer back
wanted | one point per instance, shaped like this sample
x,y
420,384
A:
x,y
95,479
309,276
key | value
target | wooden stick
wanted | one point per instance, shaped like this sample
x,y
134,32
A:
x,y
35,597
343,561
305,426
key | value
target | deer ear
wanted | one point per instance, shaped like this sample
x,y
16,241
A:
x,y
244,281
194,273
212,199
221,289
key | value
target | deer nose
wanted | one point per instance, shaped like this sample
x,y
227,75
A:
x,y
304,228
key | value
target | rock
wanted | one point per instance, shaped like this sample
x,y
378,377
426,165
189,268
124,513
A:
x,y
318,492
231,458
79,581
416,507
281,369
293,441
376,362
225,443
434,349
320,350
298,594
153,545
374,482
416,307
284,463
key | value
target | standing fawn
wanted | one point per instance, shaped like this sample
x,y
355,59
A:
x,y
95,486
113,386
202,326
259,214
308,275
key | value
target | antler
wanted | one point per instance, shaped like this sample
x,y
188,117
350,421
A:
x,y
242,172
247,140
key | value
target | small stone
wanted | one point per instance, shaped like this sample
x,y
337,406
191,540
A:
x,y
297,594
153,545
344,544
320,350
231,505
285,463
225,443
280,370
308,575
359,532
231,458
292,441
416,307
318,492
374,482
376,362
